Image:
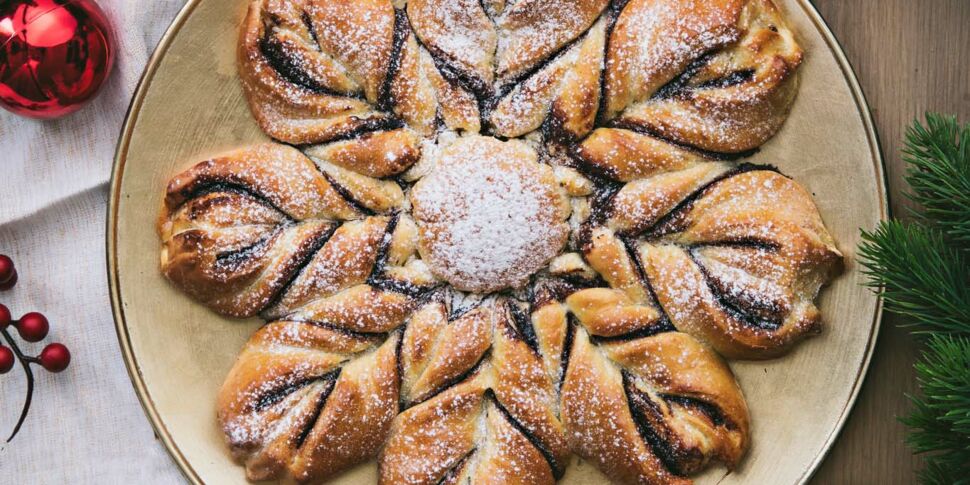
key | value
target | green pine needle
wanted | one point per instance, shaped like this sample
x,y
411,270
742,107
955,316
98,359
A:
x,y
924,279
940,421
923,270
938,155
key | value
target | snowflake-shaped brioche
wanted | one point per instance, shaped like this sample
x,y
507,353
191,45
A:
x,y
501,233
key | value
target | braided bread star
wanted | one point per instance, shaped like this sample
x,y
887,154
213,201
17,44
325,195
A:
x,y
501,233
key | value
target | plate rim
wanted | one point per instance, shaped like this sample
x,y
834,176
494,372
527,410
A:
x,y
111,234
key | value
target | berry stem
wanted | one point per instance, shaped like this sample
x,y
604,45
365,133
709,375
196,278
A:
x,y
25,362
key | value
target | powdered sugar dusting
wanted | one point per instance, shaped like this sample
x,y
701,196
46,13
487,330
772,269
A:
x,y
489,214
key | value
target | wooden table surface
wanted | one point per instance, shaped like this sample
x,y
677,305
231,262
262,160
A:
x,y
910,56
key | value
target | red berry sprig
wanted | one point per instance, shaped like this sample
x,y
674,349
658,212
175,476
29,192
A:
x,y
32,327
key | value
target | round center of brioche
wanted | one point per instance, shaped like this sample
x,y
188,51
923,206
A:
x,y
489,215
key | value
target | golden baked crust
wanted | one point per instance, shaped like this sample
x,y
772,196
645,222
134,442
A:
x,y
301,91
307,400
743,270
502,233
731,254
471,414
252,228
652,410
717,75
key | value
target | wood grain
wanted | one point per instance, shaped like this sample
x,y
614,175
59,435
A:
x,y
910,57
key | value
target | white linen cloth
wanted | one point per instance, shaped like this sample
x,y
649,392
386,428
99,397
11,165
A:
x,y
86,424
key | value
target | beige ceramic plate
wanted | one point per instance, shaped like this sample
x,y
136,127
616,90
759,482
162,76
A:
x,y
190,105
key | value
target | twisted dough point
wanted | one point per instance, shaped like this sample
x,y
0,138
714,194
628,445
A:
x,y
509,68
237,229
742,268
562,97
304,82
652,410
734,256
645,404
481,405
717,75
308,401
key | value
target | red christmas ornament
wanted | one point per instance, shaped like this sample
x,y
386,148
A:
x,y
54,55
33,327
55,357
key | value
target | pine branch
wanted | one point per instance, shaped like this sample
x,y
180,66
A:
x,y
938,155
923,269
924,279
940,421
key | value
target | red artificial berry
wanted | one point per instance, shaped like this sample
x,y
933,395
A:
x,y
4,317
55,357
10,283
8,274
7,270
6,359
33,327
